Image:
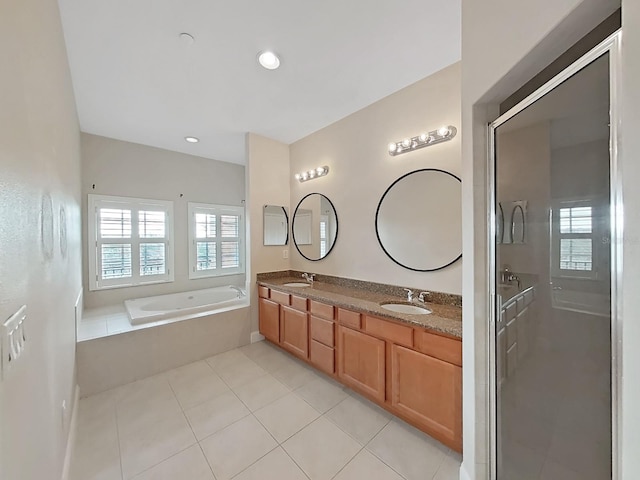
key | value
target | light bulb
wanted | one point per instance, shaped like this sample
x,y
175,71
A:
x,y
406,142
192,139
312,173
320,170
423,137
392,147
269,60
443,131
297,176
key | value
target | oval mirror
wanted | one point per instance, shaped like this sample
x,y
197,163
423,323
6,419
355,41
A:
x,y
419,220
276,225
314,227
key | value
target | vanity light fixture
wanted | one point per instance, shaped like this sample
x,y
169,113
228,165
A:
x,y
440,135
191,139
311,174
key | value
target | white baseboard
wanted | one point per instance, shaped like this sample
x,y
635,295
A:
x,y
71,438
256,337
464,475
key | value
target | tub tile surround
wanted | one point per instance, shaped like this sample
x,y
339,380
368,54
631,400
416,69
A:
x,y
312,430
446,316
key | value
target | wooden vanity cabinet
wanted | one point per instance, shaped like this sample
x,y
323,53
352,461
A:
x,y
269,319
361,362
294,332
410,371
428,392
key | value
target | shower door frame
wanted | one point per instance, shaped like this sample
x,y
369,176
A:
x,y
612,46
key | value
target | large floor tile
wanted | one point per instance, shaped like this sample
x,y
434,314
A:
x,y
286,416
449,468
321,449
234,448
239,372
322,394
189,464
292,373
359,418
260,392
367,466
276,465
408,451
152,443
97,452
224,360
195,383
214,415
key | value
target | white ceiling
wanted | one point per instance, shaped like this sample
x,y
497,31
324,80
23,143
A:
x,y
135,80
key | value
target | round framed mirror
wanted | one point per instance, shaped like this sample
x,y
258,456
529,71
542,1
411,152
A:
x,y
419,220
314,226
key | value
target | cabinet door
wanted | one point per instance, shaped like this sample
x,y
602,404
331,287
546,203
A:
x,y
428,391
361,363
294,332
269,317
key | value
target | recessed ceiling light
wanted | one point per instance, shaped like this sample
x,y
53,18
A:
x,y
187,38
269,60
192,139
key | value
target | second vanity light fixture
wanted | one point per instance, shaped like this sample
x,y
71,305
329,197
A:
x,y
440,135
311,174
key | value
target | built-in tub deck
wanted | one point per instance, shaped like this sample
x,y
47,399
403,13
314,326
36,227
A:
x,y
141,313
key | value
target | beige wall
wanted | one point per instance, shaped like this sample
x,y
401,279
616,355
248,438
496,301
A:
x,y
39,156
530,35
267,171
524,174
355,149
132,170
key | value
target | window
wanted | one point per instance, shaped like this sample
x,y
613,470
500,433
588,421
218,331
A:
x,y
324,227
129,241
575,228
216,240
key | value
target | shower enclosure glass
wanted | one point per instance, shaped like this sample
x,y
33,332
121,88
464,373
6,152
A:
x,y
552,257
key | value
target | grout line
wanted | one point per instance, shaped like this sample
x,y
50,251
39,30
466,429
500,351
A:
x,y
377,456
115,409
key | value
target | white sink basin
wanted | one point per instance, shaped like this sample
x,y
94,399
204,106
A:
x,y
405,308
296,284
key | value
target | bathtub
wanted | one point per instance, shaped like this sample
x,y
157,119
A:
x,y
582,302
184,305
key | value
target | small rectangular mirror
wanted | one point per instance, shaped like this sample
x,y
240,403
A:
x,y
276,225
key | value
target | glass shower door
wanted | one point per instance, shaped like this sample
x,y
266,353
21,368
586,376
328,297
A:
x,y
553,283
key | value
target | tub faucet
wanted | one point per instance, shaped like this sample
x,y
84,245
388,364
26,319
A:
x,y
241,292
309,278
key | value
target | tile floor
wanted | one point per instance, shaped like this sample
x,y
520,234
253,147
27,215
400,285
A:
x,y
250,413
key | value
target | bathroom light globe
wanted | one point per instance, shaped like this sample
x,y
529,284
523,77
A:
x,y
443,131
269,60
406,142
392,147
297,176
423,137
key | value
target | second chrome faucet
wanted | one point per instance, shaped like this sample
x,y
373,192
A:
x,y
422,298
309,277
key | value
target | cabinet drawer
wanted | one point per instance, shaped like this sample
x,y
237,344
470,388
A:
x,y
399,334
299,303
349,318
320,309
447,349
322,331
280,297
263,292
322,357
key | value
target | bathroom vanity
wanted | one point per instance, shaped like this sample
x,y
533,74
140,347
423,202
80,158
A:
x,y
411,365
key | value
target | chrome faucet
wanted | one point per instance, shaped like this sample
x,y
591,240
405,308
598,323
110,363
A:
x,y
422,298
507,276
309,278
241,292
409,295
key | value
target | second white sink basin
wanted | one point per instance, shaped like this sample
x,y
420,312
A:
x,y
296,284
405,308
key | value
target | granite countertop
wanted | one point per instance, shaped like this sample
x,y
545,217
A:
x,y
446,319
